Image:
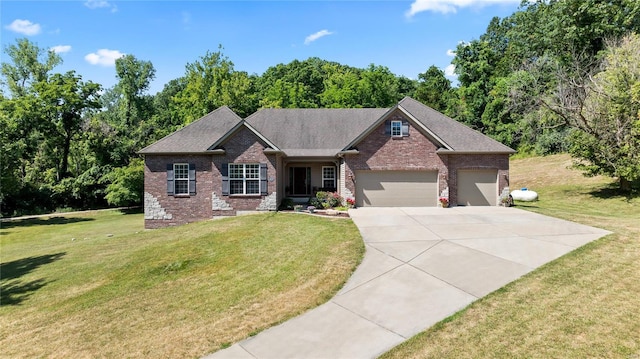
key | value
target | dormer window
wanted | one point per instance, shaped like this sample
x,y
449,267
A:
x,y
396,128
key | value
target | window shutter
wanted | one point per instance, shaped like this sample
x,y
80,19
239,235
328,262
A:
x,y
192,179
405,128
170,179
387,128
263,179
224,171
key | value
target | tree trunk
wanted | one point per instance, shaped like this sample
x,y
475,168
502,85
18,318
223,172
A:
x,y
625,184
64,172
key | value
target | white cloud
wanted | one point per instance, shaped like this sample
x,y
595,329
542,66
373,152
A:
x,y
104,57
98,4
450,70
25,27
451,53
59,49
451,6
313,37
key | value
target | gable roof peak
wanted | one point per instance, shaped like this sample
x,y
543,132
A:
x,y
458,136
198,136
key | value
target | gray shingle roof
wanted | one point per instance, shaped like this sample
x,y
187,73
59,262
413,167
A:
x,y
456,135
198,136
321,132
313,132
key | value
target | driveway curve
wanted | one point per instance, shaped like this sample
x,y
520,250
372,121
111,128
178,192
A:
x,y
421,265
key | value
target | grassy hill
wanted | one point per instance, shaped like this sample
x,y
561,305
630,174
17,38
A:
x,y
585,304
99,285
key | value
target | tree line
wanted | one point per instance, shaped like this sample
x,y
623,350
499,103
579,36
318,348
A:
x,y
554,76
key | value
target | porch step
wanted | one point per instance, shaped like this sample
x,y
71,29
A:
x,y
300,200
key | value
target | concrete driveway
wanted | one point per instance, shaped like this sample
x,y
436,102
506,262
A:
x,y
421,265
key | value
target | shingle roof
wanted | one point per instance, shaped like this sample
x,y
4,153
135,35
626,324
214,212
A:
x,y
313,132
456,135
198,136
321,132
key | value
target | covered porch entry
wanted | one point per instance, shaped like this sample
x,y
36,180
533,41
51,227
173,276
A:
x,y
304,178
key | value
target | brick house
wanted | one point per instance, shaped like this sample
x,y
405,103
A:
x,y
406,155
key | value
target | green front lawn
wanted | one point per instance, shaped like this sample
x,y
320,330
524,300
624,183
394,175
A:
x,y
583,305
99,285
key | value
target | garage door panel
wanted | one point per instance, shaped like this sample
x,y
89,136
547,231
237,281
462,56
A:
x,y
477,187
396,188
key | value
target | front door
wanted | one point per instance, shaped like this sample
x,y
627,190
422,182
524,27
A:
x,y
300,180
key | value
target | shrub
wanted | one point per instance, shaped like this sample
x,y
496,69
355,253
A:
x,y
327,200
287,203
351,202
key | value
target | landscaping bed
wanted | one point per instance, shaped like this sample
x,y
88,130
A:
x,y
322,212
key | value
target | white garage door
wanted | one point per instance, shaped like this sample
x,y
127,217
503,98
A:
x,y
396,188
477,187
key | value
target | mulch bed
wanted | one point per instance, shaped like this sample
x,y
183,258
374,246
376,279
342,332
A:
x,y
321,213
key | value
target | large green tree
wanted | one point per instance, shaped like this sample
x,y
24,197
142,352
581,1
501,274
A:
x,y
604,112
568,34
29,64
212,82
61,103
296,84
134,77
340,87
433,89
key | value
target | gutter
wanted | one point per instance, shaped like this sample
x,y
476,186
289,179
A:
x,y
452,152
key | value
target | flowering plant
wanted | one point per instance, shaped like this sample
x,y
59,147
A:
x,y
351,202
327,199
444,201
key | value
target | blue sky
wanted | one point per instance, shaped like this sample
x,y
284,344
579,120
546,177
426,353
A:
x,y
405,36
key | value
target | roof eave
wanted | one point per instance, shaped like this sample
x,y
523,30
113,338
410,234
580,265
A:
x,y
229,133
424,128
271,151
453,152
382,118
348,152
173,153
370,129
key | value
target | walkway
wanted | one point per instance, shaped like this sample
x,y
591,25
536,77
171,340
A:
x,y
421,266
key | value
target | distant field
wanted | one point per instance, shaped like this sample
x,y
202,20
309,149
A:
x,y
99,285
583,305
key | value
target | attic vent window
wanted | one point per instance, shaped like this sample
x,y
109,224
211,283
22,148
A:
x,y
396,128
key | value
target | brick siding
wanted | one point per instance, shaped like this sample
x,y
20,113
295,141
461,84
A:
x,y
242,147
498,162
380,151
182,209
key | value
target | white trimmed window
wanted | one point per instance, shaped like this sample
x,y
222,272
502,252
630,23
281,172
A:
x,y
396,128
328,177
180,178
244,178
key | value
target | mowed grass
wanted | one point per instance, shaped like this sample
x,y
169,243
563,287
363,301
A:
x,y
99,285
583,305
